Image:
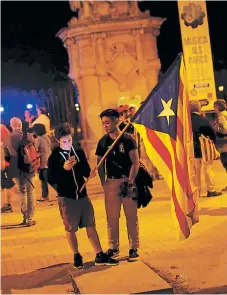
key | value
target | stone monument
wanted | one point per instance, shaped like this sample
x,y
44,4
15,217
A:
x,y
113,58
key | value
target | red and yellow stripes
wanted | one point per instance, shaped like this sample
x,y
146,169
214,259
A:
x,y
174,160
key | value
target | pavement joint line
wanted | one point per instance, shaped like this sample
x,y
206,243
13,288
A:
x,y
73,282
158,273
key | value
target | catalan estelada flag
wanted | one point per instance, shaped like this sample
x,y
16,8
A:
x,y
164,123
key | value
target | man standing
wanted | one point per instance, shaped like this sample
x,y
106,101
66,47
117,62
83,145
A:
x,y
124,119
25,180
132,110
201,125
67,168
126,113
118,174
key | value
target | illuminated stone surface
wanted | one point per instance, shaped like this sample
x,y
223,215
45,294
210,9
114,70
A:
x,y
113,58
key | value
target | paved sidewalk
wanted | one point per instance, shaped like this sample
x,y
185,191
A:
x,y
37,259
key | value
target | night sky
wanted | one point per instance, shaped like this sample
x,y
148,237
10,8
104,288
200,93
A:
x,y
33,57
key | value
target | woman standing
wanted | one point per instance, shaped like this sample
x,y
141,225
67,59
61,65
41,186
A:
x,y
43,146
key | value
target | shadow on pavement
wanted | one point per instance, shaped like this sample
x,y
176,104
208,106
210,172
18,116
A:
x,y
12,226
52,275
214,212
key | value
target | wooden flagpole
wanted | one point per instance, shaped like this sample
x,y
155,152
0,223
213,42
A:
x,y
107,153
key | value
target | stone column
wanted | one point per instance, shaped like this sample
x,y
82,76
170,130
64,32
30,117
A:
x,y
112,54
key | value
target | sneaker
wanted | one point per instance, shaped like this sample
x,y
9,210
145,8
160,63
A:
x,y
213,194
133,255
31,223
104,259
7,208
78,261
113,252
43,200
24,222
225,189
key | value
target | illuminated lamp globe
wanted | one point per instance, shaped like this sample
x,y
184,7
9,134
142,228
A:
x,y
29,106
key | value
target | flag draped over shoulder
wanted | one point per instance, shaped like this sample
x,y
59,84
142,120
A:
x,y
164,123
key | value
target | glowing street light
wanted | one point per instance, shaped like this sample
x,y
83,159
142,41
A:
x,y
221,88
77,109
29,106
1,109
76,105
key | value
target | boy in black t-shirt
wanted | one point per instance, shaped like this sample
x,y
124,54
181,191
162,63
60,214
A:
x,y
119,171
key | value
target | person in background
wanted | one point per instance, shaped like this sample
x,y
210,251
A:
x,y
126,114
7,183
28,117
132,110
25,180
117,174
220,126
67,168
124,119
201,125
43,146
28,120
43,119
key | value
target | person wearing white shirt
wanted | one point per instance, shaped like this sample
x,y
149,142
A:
x,y
43,119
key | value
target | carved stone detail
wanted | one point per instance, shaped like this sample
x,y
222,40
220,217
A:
x,y
84,9
69,42
95,11
123,67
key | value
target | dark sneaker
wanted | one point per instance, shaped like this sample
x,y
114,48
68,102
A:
x,y
43,200
213,194
78,261
133,255
104,259
7,208
113,252
24,222
31,223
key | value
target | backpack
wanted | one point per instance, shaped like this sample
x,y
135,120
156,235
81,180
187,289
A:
x,y
28,157
5,157
3,161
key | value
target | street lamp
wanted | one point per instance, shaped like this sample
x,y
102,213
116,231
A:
x,y
29,106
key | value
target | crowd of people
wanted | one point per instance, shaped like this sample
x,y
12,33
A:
x,y
28,149
215,130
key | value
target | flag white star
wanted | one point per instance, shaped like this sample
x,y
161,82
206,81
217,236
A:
x,y
167,111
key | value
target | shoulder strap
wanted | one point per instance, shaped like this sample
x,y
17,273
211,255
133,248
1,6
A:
x,y
75,154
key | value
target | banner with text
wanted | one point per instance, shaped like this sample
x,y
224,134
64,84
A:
x,y
197,52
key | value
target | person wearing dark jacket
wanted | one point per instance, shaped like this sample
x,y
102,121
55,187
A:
x,y
202,126
67,168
